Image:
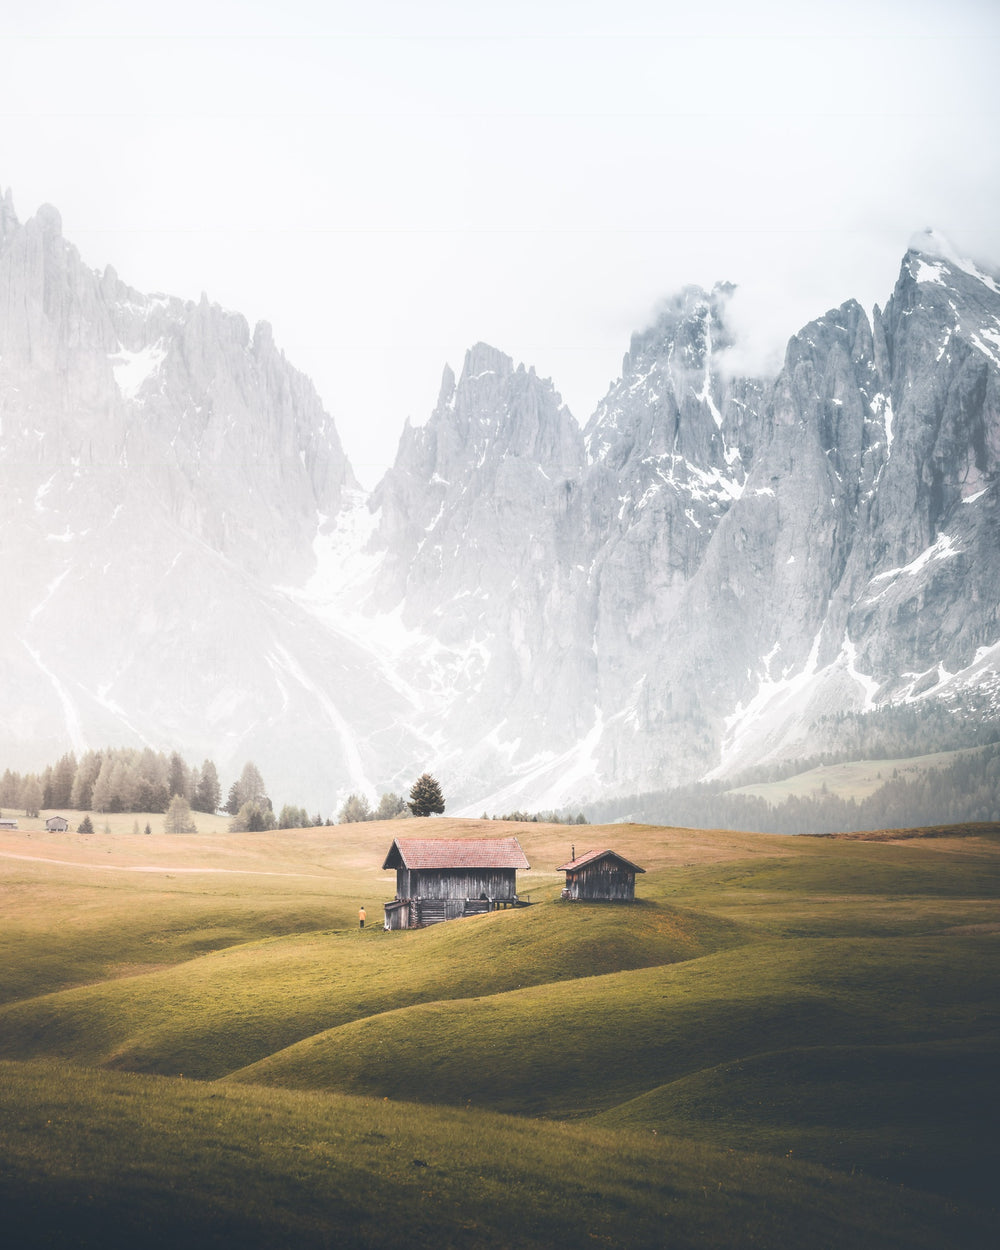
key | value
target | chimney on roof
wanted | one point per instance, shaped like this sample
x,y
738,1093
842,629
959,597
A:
x,y
573,851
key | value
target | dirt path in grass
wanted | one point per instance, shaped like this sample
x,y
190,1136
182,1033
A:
x,y
170,871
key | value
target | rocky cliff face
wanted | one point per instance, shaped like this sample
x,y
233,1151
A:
x,y
174,402
734,559
161,468
481,547
670,447
928,606
537,612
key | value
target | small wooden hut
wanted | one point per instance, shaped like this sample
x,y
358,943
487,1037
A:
x,y
600,877
442,880
57,824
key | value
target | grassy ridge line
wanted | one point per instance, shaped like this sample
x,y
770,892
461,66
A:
x,y
66,925
576,1048
223,1011
102,1160
971,829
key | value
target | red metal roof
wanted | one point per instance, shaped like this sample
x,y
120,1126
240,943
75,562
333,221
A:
x,y
589,857
456,853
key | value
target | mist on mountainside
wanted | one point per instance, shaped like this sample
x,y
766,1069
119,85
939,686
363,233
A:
x,y
694,582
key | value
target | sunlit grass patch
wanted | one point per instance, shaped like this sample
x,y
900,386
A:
x,y
212,1015
573,1048
772,994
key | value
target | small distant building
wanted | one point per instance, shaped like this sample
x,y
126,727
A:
x,y
443,880
57,824
600,877
7,823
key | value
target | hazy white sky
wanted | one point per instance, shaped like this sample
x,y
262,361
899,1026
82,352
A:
x,y
388,183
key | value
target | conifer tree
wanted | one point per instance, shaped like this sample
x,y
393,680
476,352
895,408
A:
x,y
101,792
355,808
85,826
425,796
10,788
47,787
249,789
83,783
152,794
233,803
179,777
62,780
31,796
124,782
207,793
252,786
252,818
178,817
293,817
390,806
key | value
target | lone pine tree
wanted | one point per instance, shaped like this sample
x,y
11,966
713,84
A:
x,y
425,796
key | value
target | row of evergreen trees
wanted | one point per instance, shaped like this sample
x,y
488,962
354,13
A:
x,y
356,807
547,818
425,799
116,779
129,779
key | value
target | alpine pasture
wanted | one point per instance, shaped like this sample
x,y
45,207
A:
x,y
784,1042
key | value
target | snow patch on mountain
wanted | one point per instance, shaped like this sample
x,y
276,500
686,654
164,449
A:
x,y
133,369
547,781
944,548
694,581
934,244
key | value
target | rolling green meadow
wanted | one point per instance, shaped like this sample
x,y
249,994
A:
x,y
785,1042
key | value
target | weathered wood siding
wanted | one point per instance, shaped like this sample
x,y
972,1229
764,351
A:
x,y
413,913
435,910
603,881
397,915
460,883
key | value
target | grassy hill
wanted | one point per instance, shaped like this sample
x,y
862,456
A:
x,y
854,779
785,1042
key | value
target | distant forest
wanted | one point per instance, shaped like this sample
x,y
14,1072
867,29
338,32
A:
x,y
965,789
127,779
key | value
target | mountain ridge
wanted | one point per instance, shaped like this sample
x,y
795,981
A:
x,y
541,611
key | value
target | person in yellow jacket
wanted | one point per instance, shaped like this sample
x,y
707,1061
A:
x,y
361,917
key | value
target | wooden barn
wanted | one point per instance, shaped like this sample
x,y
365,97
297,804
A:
x,y
600,877
57,824
443,880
